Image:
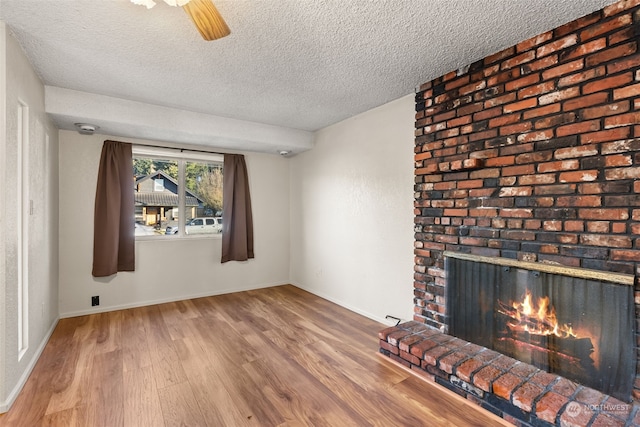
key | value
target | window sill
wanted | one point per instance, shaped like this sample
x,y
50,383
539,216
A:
x,y
164,238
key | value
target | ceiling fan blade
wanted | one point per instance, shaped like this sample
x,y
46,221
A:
x,y
207,19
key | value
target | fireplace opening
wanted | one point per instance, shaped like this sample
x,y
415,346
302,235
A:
x,y
577,327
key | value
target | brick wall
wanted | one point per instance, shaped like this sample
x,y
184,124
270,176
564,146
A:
x,y
533,153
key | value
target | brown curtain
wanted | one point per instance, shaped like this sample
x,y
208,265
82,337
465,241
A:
x,y
114,229
237,222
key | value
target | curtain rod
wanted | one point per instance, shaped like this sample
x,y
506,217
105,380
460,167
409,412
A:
x,y
175,148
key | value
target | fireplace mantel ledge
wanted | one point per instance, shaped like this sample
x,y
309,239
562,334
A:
x,y
583,273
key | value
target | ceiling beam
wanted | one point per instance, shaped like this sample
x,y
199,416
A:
x,y
125,118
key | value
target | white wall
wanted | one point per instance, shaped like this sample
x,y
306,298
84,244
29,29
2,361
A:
x,y
166,270
23,85
350,201
352,212
3,163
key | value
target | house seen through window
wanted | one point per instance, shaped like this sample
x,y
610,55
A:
x,y
177,193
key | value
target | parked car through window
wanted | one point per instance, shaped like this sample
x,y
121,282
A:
x,y
199,226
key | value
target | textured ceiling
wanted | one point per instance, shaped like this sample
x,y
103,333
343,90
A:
x,y
300,64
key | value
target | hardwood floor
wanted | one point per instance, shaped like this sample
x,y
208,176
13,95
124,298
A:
x,y
270,357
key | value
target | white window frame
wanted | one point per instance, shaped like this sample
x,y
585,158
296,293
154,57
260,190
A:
x,y
177,154
158,184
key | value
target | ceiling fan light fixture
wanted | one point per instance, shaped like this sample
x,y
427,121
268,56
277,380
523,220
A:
x,y
147,3
207,19
176,2
150,3
203,13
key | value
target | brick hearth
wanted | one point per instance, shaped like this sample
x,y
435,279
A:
x,y
520,393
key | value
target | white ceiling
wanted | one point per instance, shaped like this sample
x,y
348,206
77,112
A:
x,y
288,68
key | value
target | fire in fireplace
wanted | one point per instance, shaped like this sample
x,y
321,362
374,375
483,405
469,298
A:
x,y
576,327
531,332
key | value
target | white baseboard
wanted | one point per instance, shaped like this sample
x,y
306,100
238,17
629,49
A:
x,y
6,405
348,306
165,300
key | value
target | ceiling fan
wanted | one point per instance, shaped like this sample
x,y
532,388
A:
x,y
203,13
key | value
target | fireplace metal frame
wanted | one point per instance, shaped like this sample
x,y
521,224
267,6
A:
x,y
583,273
620,388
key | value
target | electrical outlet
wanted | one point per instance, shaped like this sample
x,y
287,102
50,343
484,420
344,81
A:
x,y
95,301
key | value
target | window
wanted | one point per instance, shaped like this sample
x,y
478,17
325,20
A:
x,y
177,194
158,184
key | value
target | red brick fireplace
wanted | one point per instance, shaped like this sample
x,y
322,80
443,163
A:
x,y
531,154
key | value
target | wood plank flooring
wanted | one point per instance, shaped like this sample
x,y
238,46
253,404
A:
x,y
271,357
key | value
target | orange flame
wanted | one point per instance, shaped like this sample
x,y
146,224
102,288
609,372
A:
x,y
537,319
